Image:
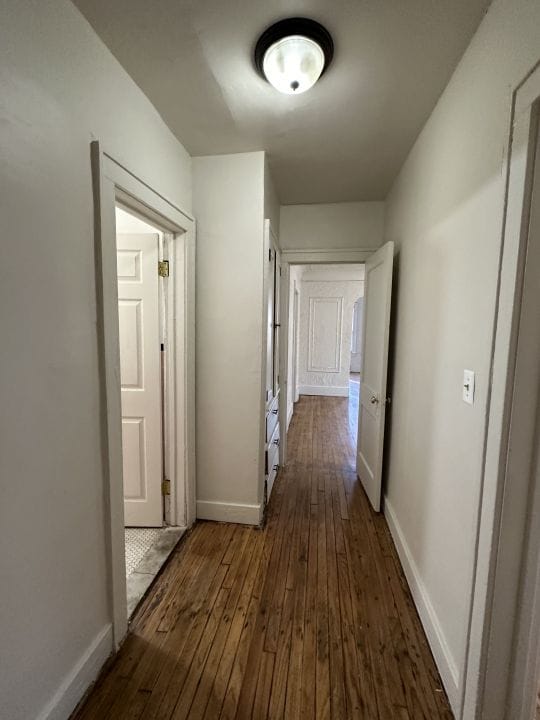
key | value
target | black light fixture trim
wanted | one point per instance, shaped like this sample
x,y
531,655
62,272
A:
x,y
294,26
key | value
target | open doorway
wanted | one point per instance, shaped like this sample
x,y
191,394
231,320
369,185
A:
x,y
143,309
335,344
325,326
115,185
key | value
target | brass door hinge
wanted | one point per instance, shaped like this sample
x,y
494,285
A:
x,y
163,268
166,487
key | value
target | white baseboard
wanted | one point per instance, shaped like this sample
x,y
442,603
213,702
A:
x,y
290,414
324,390
77,682
435,635
229,512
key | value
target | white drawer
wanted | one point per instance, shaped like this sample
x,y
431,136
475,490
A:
x,y
273,458
270,482
272,417
273,443
272,466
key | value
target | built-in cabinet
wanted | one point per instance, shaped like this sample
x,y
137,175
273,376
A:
x,y
273,291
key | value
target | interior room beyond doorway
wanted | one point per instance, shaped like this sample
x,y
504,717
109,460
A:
x,y
142,313
325,333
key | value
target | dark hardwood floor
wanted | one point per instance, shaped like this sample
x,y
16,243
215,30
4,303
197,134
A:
x,y
310,617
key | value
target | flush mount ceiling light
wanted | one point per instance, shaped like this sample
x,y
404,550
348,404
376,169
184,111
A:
x,y
292,54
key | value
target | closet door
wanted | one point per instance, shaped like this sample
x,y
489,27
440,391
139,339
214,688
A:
x,y
270,330
276,321
140,375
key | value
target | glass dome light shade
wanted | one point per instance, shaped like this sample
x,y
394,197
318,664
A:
x,y
293,64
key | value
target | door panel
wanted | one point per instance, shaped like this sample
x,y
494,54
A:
x,y
140,375
324,334
133,444
130,312
372,406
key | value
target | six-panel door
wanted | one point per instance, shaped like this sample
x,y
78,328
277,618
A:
x,y
140,374
372,406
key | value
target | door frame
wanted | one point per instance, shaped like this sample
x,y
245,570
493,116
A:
x,y
114,184
504,626
308,256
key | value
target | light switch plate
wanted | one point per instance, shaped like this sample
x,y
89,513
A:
x,y
468,386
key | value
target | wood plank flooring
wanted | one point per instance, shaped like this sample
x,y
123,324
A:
x,y
310,617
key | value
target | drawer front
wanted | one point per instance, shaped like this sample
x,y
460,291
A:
x,y
272,418
275,439
270,483
273,457
273,443
273,466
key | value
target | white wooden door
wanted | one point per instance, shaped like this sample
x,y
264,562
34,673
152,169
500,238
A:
x,y
270,327
138,310
372,406
273,276
294,374
277,319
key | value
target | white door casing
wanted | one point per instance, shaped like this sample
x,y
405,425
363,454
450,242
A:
x,y
140,374
372,406
113,184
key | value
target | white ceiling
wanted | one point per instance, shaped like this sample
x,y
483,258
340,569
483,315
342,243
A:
x,y
343,140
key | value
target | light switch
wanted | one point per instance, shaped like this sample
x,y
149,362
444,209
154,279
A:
x,y
468,386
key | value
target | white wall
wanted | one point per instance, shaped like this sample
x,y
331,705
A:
x,y
228,198
336,225
445,214
271,200
60,89
327,297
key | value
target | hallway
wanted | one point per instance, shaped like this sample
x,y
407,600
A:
x,y
310,617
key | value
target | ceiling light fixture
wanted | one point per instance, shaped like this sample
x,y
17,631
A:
x,y
292,54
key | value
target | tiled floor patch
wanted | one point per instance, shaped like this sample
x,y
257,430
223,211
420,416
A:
x,y
138,542
147,549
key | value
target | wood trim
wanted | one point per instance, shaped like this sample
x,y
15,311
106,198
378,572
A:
x,y
157,207
80,678
290,413
109,367
324,390
496,568
437,641
313,256
229,512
